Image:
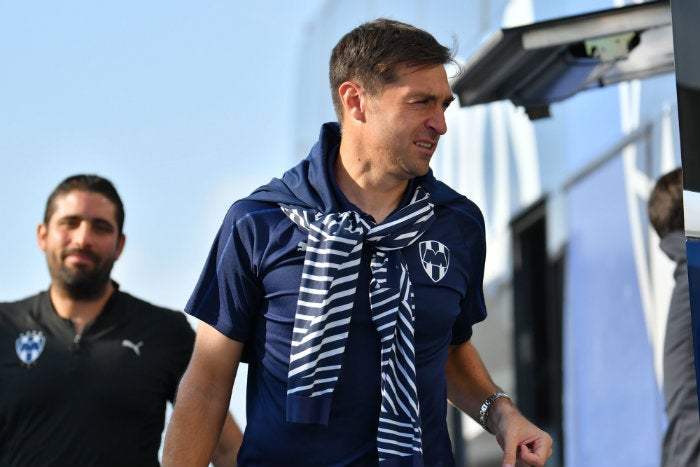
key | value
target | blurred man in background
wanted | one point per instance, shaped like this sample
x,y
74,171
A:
x,y
681,443
85,368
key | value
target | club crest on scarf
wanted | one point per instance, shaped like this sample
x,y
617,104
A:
x,y
29,346
435,258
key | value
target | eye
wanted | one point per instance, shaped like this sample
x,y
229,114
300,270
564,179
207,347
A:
x,y
103,227
69,222
419,102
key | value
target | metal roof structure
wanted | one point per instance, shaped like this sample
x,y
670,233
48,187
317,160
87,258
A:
x,y
539,64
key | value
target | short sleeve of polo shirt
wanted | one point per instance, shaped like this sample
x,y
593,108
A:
x,y
473,307
228,291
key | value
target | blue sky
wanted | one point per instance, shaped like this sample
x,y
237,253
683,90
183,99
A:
x,y
185,106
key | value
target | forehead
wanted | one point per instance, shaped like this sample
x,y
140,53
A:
x,y
429,80
84,204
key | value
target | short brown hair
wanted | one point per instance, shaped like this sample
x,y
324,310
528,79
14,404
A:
x,y
368,55
665,206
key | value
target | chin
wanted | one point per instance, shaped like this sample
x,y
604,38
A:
x,y
421,171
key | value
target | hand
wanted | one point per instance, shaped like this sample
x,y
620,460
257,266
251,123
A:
x,y
522,442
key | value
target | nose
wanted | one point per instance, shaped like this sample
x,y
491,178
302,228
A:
x,y
437,122
82,235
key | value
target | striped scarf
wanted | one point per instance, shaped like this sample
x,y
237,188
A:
x,y
324,309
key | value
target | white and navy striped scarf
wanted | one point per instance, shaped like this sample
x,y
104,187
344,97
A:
x,y
324,309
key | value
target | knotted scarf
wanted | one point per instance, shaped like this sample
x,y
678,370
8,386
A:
x,y
324,308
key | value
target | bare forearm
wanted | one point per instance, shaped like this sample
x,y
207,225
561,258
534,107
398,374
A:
x,y
229,444
468,380
202,400
469,385
194,427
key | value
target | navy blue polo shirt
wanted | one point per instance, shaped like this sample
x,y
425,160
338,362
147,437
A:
x,y
248,291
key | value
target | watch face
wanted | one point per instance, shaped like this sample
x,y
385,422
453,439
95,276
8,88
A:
x,y
484,412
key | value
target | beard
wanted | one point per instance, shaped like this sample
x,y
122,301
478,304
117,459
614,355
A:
x,y
81,283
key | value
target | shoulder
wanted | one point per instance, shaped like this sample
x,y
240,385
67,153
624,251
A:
x,y
139,303
163,317
455,206
254,227
248,219
446,198
467,215
23,302
19,307
251,209
165,331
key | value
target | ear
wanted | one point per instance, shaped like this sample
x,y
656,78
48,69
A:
x,y
120,246
41,233
353,98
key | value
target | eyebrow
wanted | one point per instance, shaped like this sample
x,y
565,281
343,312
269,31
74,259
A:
x,y
92,220
434,98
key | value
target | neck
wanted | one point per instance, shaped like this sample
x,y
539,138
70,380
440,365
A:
x,y
372,191
80,312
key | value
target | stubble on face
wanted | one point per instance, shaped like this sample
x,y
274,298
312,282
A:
x,y
408,119
78,281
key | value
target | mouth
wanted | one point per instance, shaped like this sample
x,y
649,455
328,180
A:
x,y
81,257
428,144
426,147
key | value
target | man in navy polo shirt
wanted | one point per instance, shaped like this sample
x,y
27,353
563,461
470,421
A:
x,y
350,287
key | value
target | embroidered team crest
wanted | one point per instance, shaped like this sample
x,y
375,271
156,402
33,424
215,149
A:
x,y
29,346
435,258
